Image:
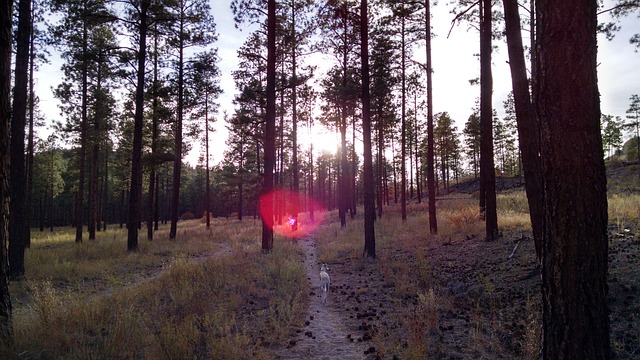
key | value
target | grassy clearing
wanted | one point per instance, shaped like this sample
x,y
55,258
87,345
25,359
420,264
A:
x,y
193,306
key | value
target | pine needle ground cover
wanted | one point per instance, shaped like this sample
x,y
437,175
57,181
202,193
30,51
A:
x,y
454,295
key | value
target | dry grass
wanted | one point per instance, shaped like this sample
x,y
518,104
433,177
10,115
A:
x,y
193,305
624,209
513,210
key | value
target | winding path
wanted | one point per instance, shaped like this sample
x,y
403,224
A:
x,y
325,336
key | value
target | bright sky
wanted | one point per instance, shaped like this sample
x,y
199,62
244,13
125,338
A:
x,y
454,65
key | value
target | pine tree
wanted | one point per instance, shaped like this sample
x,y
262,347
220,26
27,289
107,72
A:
x,y
369,205
575,322
6,326
17,230
192,25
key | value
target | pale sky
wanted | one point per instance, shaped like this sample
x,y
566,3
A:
x,y
454,64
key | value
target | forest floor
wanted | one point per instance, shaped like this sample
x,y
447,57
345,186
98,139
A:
x,y
452,297
448,296
474,302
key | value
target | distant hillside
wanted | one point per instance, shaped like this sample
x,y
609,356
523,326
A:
x,y
503,183
621,177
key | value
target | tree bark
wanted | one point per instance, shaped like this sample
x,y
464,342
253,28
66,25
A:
x,y
381,166
177,162
431,189
79,205
403,125
6,327
294,115
136,159
207,196
528,132
369,205
575,323
154,136
95,160
29,202
270,124
487,172
18,187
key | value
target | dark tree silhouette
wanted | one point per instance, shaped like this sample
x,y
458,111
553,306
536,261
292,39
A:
x,y
136,158
369,203
5,124
526,122
431,189
575,322
17,230
487,173
270,122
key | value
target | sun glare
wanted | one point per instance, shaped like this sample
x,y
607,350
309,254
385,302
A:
x,y
323,140
294,224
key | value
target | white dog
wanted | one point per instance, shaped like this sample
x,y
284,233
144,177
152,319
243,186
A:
x,y
324,282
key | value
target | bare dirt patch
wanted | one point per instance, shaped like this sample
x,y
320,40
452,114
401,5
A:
x,y
330,332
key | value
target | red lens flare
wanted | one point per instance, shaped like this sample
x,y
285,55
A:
x,y
278,208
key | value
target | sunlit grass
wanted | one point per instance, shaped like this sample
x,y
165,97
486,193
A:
x,y
624,209
175,305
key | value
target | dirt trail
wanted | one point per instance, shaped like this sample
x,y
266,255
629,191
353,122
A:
x,y
223,249
325,336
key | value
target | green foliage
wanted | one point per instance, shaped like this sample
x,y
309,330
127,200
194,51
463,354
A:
x,y
49,165
611,133
446,146
630,148
472,141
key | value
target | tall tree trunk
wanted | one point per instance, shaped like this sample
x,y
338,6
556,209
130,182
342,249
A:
x,y
417,157
156,204
575,323
51,206
395,176
207,194
528,132
294,115
410,144
311,192
95,160
487,173
29,202
354,170
403,125
177,161
369,205
241,180
122,209
433,222
18,187
279,172
136,159
270,123
42,210
6,326
381,166
105,186
79,205
154,136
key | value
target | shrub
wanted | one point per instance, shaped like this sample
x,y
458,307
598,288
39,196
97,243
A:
x,y
187,215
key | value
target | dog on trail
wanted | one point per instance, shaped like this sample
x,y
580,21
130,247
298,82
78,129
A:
x,y
324,282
